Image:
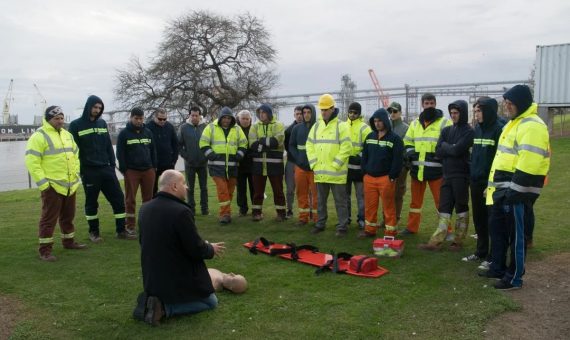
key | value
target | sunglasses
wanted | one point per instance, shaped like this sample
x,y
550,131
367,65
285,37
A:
x,y
161,119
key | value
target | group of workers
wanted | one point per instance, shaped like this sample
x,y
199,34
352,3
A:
x,y
505,167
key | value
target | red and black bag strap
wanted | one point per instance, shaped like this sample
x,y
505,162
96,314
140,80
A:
x,y
266,244
360,262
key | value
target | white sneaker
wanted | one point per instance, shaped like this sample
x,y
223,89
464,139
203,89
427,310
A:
x,y
485,265
470,258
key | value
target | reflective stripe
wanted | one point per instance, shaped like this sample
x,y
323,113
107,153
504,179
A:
x,y
371,224
33,152
58,151
443,125
221,163
331,173
207,152
91,217
355,167
48,139
41,182
339,162
347,139
256,206
312,161
505,149
356,144
117,216
218,143
535,149
301,147
463,214
46,240
432,164
129,215
326,141
268,160
380,142
138,141
67,236
92,130
304,210
280,207
483,141
224,203
410,150
414,210
520,188
240,153
64,184
390,227
426,139
407,138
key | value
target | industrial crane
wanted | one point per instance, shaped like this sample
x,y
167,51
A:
x,y
382,98
7,101
43,100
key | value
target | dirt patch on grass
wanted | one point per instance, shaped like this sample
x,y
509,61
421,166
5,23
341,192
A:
x,y
545,302
9,315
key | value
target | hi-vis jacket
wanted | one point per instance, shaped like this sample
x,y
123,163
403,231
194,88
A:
x,y
328,149
224,149
522,160
358,132
52,160
266,145
420,143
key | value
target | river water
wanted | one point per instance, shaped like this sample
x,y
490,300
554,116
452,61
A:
x,y
13,172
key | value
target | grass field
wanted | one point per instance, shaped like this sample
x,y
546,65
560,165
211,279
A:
x,y
91,294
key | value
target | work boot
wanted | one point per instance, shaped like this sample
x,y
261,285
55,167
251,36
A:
x,y
317,230
154,311
95,238
75,246
429,246
289,214
205,212
124,235
364,234
48,258
341,233
226,219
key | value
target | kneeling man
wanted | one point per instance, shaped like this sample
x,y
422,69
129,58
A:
x,y
175,277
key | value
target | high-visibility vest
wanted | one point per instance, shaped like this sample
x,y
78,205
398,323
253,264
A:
x,y
522,159
420,143
268,162
52,159
358,132
328,148
213,139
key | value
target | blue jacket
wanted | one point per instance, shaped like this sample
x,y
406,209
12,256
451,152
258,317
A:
x,y
166,144
298,140
135,149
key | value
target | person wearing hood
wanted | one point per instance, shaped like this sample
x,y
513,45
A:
x,y
166,143
290,165
358,131
382,158
136,153
516,179
485,140
52,161
194,160
244,178
400,128
328,149
224,144
304,176
453,148
426,168
266,138
97,159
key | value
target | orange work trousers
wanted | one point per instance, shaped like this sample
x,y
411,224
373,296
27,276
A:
x,y
379,188
306,194
225,189
418,191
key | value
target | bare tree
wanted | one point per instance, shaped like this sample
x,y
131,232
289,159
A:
x,y
206,60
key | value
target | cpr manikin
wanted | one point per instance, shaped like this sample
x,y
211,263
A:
x,y
232,282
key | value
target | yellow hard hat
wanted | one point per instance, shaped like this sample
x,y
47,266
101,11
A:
x,y
326,101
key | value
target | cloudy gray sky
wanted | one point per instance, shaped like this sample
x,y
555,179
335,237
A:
x,y
72,49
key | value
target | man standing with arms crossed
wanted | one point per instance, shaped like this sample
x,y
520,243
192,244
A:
x,y
97,159
291,161
166,143
328,149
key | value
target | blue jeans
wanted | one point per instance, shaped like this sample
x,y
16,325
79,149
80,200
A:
x,y
193,307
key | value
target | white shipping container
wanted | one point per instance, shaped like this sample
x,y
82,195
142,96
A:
x,y
552,87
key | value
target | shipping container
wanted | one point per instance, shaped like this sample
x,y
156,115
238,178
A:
x,y
552,87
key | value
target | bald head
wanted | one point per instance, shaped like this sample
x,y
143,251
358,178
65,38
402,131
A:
x,y
172,182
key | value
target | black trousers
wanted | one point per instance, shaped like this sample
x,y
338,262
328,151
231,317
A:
x,y
454,193
244,182
102,179
480,219
159,172
202,173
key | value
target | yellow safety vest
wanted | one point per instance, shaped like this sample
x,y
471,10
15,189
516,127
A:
x,y
272,158
358,132
226,149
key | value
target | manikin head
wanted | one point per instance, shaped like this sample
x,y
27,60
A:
x,y
234,283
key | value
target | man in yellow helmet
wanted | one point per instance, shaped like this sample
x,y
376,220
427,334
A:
x,y
328,149
515,182
53,162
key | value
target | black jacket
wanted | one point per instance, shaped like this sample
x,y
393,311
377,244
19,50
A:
x,y
189,142
485,142
454,143
298,140
381,157
288,131
166,144
135,149
172,251
92,137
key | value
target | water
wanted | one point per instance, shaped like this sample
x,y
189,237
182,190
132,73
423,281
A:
x,y
13,172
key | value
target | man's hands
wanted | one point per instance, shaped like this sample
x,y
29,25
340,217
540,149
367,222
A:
x,y
219,248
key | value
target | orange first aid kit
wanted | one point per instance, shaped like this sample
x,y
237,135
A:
x,y
388,247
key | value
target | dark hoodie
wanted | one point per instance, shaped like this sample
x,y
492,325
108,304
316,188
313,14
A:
x,y
521,96
288,131
382,156
298,139
454,143
136,149
486,140
92,137
166,144
268,162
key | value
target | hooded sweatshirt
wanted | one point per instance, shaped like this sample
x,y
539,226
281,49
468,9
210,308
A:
x,y
166,144
382,156
189,139
92,137
485,141
298,140
135,149
454,143
288,131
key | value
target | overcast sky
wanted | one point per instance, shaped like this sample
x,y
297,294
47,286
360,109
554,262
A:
x,y
72,49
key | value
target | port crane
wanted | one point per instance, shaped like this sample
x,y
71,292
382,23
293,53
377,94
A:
x,y
383,99
7,102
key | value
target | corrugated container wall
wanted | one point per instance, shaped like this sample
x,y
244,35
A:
x,y
553,75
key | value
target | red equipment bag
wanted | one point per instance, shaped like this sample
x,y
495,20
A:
x,y
363,264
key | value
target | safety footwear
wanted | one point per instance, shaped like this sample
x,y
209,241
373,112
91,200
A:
x,y
95,238
48,258
490,275
289,214
364,234
484,265
405,232
76,246
242,214
154,311
317,230
257,218
471,258
341,233
226,219
131,231
205,212
428,246
504,285
124,235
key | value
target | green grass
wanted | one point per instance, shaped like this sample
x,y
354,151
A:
x,y
90,294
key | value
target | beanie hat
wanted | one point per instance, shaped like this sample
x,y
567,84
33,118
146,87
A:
x,y
137,111
53,111
355,107
521,96
226,111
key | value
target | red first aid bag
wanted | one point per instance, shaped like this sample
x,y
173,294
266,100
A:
x,y
363,264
